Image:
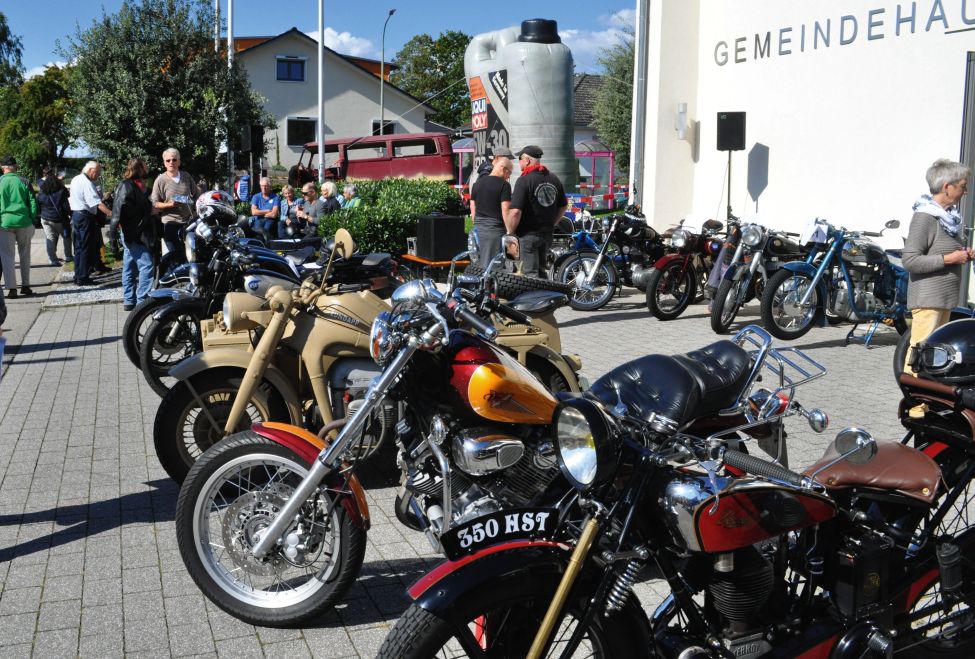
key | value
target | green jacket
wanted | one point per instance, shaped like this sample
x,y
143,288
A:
x,y
18,208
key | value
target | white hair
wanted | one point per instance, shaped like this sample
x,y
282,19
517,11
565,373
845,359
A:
x,y
90,165
172,151
263,180
350,189
328,189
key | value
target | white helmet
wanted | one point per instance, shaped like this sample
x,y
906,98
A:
x,y
216,207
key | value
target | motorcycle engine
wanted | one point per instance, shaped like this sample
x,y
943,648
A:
x,y
864,298
741,582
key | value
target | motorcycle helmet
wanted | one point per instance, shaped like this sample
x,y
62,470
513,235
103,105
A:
x,y
948,354
216,207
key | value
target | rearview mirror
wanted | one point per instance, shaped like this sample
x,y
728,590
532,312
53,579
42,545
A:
x,y
892,224
344,246
511,248
855,445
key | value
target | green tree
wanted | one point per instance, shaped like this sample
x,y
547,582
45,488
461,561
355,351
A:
x,y
11,48
35,126
147,78
614,108
433,71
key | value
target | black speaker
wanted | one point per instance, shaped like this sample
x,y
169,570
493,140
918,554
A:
x,y
731,131
440,237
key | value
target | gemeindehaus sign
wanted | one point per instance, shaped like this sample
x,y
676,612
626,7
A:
x,y
874,24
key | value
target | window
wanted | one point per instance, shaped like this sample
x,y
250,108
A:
x,y
362,151
291,69
301,130
388,129
425,147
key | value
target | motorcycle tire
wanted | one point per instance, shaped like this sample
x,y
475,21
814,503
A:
x,y
241,467
725,306
551,377
603,286
663,281
779,325
182,431
511,285
900,353
136,324
168,341
419,634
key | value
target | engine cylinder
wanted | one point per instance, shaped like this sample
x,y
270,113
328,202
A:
x,y
741,593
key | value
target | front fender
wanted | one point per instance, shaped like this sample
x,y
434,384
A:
x,y
307,447
667,259
568,255
730,273
804,268
556,361
171,293
238,360
195,306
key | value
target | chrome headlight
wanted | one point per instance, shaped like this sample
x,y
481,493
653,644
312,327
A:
x,y
380,343
583,441
680,238
189,243
752,235
195,274
203,231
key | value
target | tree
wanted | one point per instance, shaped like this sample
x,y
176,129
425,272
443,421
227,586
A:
x,y
614,108
147,78
11,48
433,71
34,124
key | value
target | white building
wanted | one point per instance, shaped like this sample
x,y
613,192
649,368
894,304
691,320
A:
x,y
847,103
284,69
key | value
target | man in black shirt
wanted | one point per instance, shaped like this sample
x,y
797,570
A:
x,y
538,201
490,200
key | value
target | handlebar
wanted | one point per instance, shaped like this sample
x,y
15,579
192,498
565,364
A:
x,y
870,234
514,314
464,314
759,467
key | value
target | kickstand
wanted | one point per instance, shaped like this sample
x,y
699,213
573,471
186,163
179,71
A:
x,y
851,338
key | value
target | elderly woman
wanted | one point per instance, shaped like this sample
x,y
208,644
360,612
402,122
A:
x,y
351,200
289,213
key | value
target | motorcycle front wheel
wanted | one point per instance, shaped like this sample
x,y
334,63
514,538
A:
x,y
727,301
671,289
598,292
782,315
168,341
136,324
230,496
183,429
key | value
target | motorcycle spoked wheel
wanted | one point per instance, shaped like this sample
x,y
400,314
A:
x,y
671,289
781,314
229,497
726,304
503,623
136,324
168,341
596,294
183,430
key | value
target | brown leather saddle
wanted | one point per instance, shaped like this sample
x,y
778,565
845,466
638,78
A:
x,y
896,467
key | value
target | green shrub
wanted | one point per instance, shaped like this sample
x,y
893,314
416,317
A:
x,y
389,210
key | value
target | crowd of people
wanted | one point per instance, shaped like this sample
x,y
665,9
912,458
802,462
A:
x,y
285,215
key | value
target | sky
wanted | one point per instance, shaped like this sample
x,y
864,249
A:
x,y
351,27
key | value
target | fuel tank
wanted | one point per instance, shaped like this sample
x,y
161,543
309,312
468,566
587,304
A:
x,y
494,384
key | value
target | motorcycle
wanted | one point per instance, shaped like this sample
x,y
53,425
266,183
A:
x,y
595,271
856,280
759,254
860,555
675,279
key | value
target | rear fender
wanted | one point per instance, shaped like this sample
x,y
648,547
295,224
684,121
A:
x,y
307,447
667,259
195,306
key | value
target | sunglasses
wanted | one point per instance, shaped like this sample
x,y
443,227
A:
x,y
171,160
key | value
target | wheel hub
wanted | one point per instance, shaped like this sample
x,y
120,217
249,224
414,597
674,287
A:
x,y
244,523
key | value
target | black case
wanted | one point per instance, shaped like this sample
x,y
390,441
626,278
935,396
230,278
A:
x,y
440,237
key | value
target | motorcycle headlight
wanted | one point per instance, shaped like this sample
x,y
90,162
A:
x,y
236,305
189,243
380,345
195,274
203,231
680,238
584,443
752,235
607,223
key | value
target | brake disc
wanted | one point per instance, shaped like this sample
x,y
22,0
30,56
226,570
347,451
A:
x,y
244,523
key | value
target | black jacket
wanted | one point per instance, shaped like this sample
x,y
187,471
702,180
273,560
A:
x,y
131,212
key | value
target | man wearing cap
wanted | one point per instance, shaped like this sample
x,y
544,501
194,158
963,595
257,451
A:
x,y
490,202
18,208
537,202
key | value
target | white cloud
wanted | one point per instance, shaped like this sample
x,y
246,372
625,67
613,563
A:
x,y
346,43
588,45
623,18
38,70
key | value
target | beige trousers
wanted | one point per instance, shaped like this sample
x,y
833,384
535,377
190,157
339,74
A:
x,y
924,321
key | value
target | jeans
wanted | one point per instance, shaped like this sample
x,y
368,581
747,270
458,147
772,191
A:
x,y
52,232
14,243
171,237
489,235
84,225
137,272
266,228
534,253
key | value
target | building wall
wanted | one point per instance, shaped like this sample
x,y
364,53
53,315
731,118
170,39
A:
x,y
847,130
351,96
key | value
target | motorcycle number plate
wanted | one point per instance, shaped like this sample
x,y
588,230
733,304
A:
x,y
497,527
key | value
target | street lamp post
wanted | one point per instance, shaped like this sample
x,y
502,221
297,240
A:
x,y
382,75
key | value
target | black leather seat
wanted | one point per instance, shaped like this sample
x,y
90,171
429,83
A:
x,y
681,388
536,303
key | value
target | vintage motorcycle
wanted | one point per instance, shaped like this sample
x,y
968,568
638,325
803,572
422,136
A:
x,y
864,554
759,254
855,280
676,279
627,248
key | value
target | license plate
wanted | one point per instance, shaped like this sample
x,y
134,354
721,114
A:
x,y
497,527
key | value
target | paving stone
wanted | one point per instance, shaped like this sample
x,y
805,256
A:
x,y
187,640
247,647
107,645
17,628
60,615
20,600
56,643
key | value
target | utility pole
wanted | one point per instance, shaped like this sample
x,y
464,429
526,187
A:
x,y
382,76
320,129
230,68
638,122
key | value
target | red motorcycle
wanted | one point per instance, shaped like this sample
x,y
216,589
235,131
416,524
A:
x,y
866,553
676,279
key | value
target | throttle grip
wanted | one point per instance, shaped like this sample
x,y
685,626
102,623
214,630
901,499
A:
x,y
759,467
463,313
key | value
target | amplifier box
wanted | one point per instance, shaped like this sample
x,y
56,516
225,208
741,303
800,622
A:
x,y
440,237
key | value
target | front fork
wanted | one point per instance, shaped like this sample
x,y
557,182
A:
x,y
600,257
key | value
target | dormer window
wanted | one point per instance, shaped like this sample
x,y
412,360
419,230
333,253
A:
x,y
291,69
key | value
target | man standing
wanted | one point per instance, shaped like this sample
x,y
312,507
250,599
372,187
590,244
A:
x,y
173,193
490,206
18,208
537,202
85,201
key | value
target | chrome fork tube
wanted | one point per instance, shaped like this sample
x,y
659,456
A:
x,y
827,260
602,253
328,458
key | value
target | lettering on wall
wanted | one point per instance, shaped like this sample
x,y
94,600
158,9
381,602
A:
x,y
902,20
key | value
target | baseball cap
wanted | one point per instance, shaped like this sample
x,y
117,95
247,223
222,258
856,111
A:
x,y
531,150
9,161
502,151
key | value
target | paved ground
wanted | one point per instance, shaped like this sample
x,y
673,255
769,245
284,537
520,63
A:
x,y
88,558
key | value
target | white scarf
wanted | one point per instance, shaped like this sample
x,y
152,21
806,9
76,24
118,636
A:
x,y
949,218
